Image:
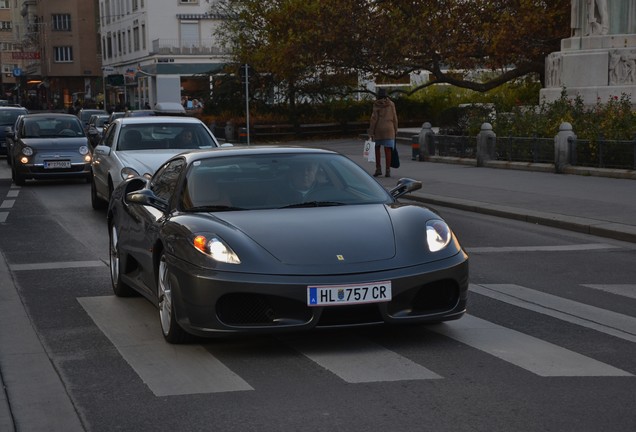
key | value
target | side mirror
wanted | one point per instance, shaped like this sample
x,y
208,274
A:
x,y
102,150
147,197
404,186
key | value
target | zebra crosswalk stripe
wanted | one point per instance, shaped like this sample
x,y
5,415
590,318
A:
x,y
537,356
132,325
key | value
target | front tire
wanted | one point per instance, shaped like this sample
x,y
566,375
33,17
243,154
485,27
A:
x,y
172,331
96,202
120,288
18,178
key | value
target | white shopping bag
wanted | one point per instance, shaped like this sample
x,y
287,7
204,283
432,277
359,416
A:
x,y
369,150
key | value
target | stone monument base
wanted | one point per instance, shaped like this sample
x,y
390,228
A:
x,y
595,68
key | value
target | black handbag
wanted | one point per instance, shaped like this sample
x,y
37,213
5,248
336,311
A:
x,y
395,158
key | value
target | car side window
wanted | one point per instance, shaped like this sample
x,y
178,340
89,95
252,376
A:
x,y
163,184
110,137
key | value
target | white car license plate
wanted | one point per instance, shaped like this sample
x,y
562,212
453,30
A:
x,y
57,164
334,295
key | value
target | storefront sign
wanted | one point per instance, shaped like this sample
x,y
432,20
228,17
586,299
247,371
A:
x,y
25,55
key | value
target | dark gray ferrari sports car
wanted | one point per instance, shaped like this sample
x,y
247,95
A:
x,y
265,239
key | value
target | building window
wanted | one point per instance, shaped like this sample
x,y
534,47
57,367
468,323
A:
x,y
6,25
4,4
135,5
136,38
63,54
189,1
62,22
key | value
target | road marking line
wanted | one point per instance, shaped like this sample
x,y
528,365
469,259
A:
x,y
7,204
13,193
608,322
625,290
3,216
532,354
561,248
357,360
132,325
56,265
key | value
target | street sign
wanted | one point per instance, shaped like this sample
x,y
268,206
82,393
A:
x,y
108,69
17,72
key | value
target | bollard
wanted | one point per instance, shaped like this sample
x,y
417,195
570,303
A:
x,y
486,140
415,147
426,141
229,131
562,142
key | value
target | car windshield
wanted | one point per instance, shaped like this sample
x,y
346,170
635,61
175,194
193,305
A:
x,y
9,116
99,121
154,136
278,181
52,127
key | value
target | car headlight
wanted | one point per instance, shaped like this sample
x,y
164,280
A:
x,y
27,151
128,172
438,235
216,249
83,150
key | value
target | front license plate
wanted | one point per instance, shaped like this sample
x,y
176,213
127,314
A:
x,y
57,164
334,295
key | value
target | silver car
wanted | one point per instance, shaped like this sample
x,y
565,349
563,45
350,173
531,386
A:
x,y
137,146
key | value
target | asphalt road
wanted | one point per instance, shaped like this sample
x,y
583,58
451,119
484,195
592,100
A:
x,y
548,344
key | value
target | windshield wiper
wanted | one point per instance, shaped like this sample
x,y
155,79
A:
x,y
213,208
314,204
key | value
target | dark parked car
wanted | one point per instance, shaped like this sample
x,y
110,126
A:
x,y
8,116
96,128
47,146
267,239
85,114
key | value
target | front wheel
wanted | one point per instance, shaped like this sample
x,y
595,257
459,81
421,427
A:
x,y
96,202
172,331
120,288
18,178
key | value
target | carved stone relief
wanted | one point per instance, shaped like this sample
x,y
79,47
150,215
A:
x,y
622,67
553,70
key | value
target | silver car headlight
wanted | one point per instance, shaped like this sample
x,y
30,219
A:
x,y
128,172
27,151
83,150
216,249
438,235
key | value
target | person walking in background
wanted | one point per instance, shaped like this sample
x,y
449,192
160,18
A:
x,y
382,130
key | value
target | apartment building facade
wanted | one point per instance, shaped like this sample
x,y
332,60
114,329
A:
x,y
55,52
159,50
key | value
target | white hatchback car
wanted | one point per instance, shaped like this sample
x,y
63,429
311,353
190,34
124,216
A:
x,y
137,146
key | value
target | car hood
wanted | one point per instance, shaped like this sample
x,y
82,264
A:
x,y
53,144
146,161
320,236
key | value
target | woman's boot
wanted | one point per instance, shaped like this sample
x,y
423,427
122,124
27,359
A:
x,y
378,169
387,155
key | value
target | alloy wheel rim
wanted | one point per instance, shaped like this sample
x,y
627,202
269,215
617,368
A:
x,y
114,256
165,297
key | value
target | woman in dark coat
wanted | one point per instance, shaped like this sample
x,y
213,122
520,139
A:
x,y
382,130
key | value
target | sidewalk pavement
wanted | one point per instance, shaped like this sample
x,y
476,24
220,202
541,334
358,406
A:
x,y
591,204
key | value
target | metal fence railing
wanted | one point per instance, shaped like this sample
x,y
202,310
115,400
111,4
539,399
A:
x,y
603,153
523,149
460,146
599,153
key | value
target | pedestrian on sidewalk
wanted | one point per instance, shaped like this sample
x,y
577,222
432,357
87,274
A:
x,y
382,130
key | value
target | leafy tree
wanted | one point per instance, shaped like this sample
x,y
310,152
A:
x,y
302,43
